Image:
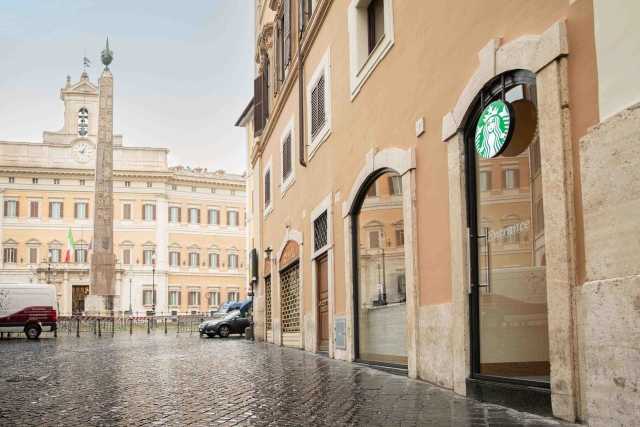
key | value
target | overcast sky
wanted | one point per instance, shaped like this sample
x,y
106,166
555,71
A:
x,y
182,71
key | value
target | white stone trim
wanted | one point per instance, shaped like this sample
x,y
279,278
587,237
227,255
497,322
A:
x,y
323,68
360,71
287,132
531,52
267,209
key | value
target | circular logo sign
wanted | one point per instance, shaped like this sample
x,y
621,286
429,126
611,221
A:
x,y
494,129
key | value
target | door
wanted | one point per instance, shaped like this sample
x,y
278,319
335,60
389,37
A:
x,y
78,295
510,339
322,275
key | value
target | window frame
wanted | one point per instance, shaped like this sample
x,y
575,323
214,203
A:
x,y
287,182
362,63
267,208
322,69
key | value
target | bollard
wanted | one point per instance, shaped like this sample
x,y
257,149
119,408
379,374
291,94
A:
x,y
165,326
99,329
130,326
55,333
78,327
148,326
113,328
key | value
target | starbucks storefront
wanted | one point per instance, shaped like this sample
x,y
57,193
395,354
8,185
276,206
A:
x,y
510,155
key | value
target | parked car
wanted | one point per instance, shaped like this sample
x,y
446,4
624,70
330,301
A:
x,y
230,306
28,308
234,322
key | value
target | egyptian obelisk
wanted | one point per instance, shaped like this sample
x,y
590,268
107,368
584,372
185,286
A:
x,y
102,289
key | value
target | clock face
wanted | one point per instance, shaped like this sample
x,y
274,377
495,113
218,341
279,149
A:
x,y
83,151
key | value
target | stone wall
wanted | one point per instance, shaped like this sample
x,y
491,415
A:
x,y
609,300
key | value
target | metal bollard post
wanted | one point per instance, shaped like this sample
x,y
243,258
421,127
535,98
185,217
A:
x,y
55,333
165,326
113,328
99,329
130,326
148,326
78,327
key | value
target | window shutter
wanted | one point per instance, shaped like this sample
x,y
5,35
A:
x,y
258,124
279,58
317,107
75,210
50,209
6,207
198,216
516,178
17,208
179,214
287,32
265,92
154,212
143,214
61,209
169,213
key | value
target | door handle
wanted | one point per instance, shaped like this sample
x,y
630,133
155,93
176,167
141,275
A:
x,y
488,271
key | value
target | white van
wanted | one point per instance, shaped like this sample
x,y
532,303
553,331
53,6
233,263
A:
x,y
28,308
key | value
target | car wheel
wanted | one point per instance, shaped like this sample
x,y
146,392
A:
x,y
211,334
32,331
224,331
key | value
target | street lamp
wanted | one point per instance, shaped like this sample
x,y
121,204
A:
x,y
153,283
130,274
49,269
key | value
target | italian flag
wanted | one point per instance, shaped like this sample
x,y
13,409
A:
x,y
71,245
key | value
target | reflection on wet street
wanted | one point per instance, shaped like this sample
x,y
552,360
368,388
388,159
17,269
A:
x,y
183,380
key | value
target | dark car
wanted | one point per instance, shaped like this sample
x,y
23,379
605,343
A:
x,y
234,322
230,306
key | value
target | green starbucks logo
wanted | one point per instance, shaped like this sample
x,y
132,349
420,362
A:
x,y
494,129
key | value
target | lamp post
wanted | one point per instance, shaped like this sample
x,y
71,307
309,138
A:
x,y
130,274
49,269
153,283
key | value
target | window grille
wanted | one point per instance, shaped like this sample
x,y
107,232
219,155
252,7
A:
x,y
267,301
290,299
286,158
320,232
317,107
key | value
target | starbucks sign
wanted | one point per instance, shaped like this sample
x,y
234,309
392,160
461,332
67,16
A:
x,y
494,129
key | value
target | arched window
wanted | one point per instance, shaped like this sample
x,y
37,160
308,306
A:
x,y
83,121
380,285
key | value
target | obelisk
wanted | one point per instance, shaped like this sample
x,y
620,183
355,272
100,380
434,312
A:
x,y
102,287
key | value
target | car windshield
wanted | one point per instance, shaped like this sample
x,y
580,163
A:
x,y
232,314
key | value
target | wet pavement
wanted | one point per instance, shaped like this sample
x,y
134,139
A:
x,y
184,380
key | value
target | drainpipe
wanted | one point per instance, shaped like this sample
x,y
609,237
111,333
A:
x,y
302,145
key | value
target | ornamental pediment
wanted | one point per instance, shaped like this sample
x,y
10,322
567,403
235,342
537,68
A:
x,y
82,87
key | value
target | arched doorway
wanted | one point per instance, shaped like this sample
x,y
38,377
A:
x,y
380,293
508,299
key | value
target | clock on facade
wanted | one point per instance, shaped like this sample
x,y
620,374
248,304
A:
x,y
83,151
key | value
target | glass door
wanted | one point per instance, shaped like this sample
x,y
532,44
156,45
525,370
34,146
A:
x,y
509,293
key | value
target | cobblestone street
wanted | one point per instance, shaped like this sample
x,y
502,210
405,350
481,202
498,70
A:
x,y
184,380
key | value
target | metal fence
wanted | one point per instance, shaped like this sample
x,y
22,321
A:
x,y
110,325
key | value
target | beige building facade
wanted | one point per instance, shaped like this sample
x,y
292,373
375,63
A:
x,y
394,228
177,230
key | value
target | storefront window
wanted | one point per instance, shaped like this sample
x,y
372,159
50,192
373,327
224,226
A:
x,y
510,292
381,289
